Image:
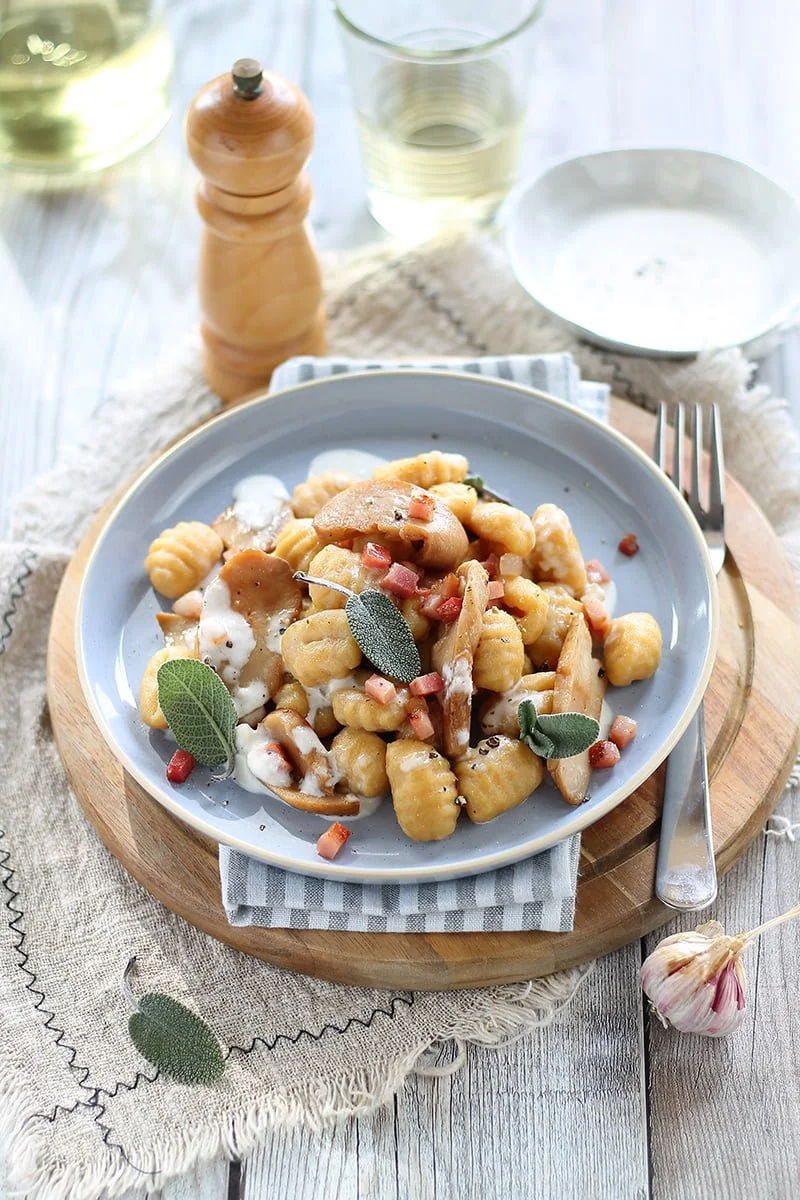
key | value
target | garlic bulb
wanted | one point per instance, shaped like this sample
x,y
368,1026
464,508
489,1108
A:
x,y
696,982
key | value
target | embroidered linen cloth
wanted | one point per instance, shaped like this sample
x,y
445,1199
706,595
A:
x,y
82,1115
538,893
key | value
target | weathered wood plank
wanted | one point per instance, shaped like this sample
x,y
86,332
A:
x,y
505,1125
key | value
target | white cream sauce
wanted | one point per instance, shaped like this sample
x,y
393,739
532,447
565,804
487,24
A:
x,y
247,741
415,762
249,699
258,500
358,464
662,276
226,640
367,806
458,677
320,697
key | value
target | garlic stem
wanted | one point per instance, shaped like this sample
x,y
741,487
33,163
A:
x,y
759,929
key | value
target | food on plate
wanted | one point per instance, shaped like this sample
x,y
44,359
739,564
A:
x,y
385,636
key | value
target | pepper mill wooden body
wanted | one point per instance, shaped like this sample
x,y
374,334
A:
x,y
250,134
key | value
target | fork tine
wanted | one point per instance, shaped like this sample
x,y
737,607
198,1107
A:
x,y
717,497
660,444
677,453
697,459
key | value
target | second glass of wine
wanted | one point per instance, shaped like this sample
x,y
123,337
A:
x,y
440,90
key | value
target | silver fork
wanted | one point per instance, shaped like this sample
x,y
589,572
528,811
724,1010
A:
x,y
686,875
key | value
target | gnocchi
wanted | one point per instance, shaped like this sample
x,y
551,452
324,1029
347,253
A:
x,y
496,603
180,558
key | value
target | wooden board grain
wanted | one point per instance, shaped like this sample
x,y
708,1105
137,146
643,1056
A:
x,y
753,735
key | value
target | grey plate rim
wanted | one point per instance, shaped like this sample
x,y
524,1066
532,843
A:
x,y
582,818
776,321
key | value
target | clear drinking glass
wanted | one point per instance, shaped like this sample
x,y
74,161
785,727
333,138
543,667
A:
x,y
83,83
440,91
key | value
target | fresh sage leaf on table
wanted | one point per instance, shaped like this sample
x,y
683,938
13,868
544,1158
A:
x,y
171,1037
198,709
556,735
380,630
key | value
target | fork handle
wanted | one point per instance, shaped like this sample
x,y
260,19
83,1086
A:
x,y
686,875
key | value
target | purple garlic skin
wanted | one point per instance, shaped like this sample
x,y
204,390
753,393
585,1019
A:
x,y
696,981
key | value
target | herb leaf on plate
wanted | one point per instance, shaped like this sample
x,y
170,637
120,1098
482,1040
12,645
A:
x,y
198,709
556,735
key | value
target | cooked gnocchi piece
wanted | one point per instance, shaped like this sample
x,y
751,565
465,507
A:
x,y
505,528
320,647
309,497
632,648
297,543
426,470
149,709
496,775
494,603
500,653
360,758
180,558
556,557
424,790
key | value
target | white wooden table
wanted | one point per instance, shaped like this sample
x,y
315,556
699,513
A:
x,y
604,1104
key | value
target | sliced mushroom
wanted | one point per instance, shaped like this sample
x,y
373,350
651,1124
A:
x,y
579,687
236,532
177,629
304,749
453,654
379,509
326,806
264,591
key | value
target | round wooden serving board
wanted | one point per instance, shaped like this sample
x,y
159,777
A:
x,y
752,721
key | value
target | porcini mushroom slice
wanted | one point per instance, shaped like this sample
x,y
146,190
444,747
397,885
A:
x,y
236,532
177,629
579,687
379,509
453,654
303,747
263,589
326,806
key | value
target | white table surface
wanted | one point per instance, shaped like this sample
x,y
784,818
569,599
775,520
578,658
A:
x,y
604,1104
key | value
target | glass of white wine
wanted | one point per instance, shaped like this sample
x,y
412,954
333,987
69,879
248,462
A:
x,y
440,89
83,83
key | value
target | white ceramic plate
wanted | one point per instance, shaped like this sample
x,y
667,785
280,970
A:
x,y
532,448
659,252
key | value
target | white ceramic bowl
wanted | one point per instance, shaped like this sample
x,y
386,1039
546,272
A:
x,y
659,252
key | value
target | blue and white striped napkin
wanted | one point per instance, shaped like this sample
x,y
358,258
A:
x,y
538,893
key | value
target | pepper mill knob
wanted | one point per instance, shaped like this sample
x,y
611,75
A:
x,y
250,133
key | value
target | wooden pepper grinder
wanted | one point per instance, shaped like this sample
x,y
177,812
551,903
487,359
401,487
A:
x,y
250,134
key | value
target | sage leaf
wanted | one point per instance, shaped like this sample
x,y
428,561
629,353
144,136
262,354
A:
x,y
383,635
198,709
556,735
176,1040
170,1036
476,482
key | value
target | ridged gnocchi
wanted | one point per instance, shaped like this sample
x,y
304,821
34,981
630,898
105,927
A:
x,y
632,648
360,758
308,497
179,559
529,603
426,470
561,608
505,528
339,566
556,556
460,498
297,543
495,601
499,656
496,775
424,791
352,706
319,648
